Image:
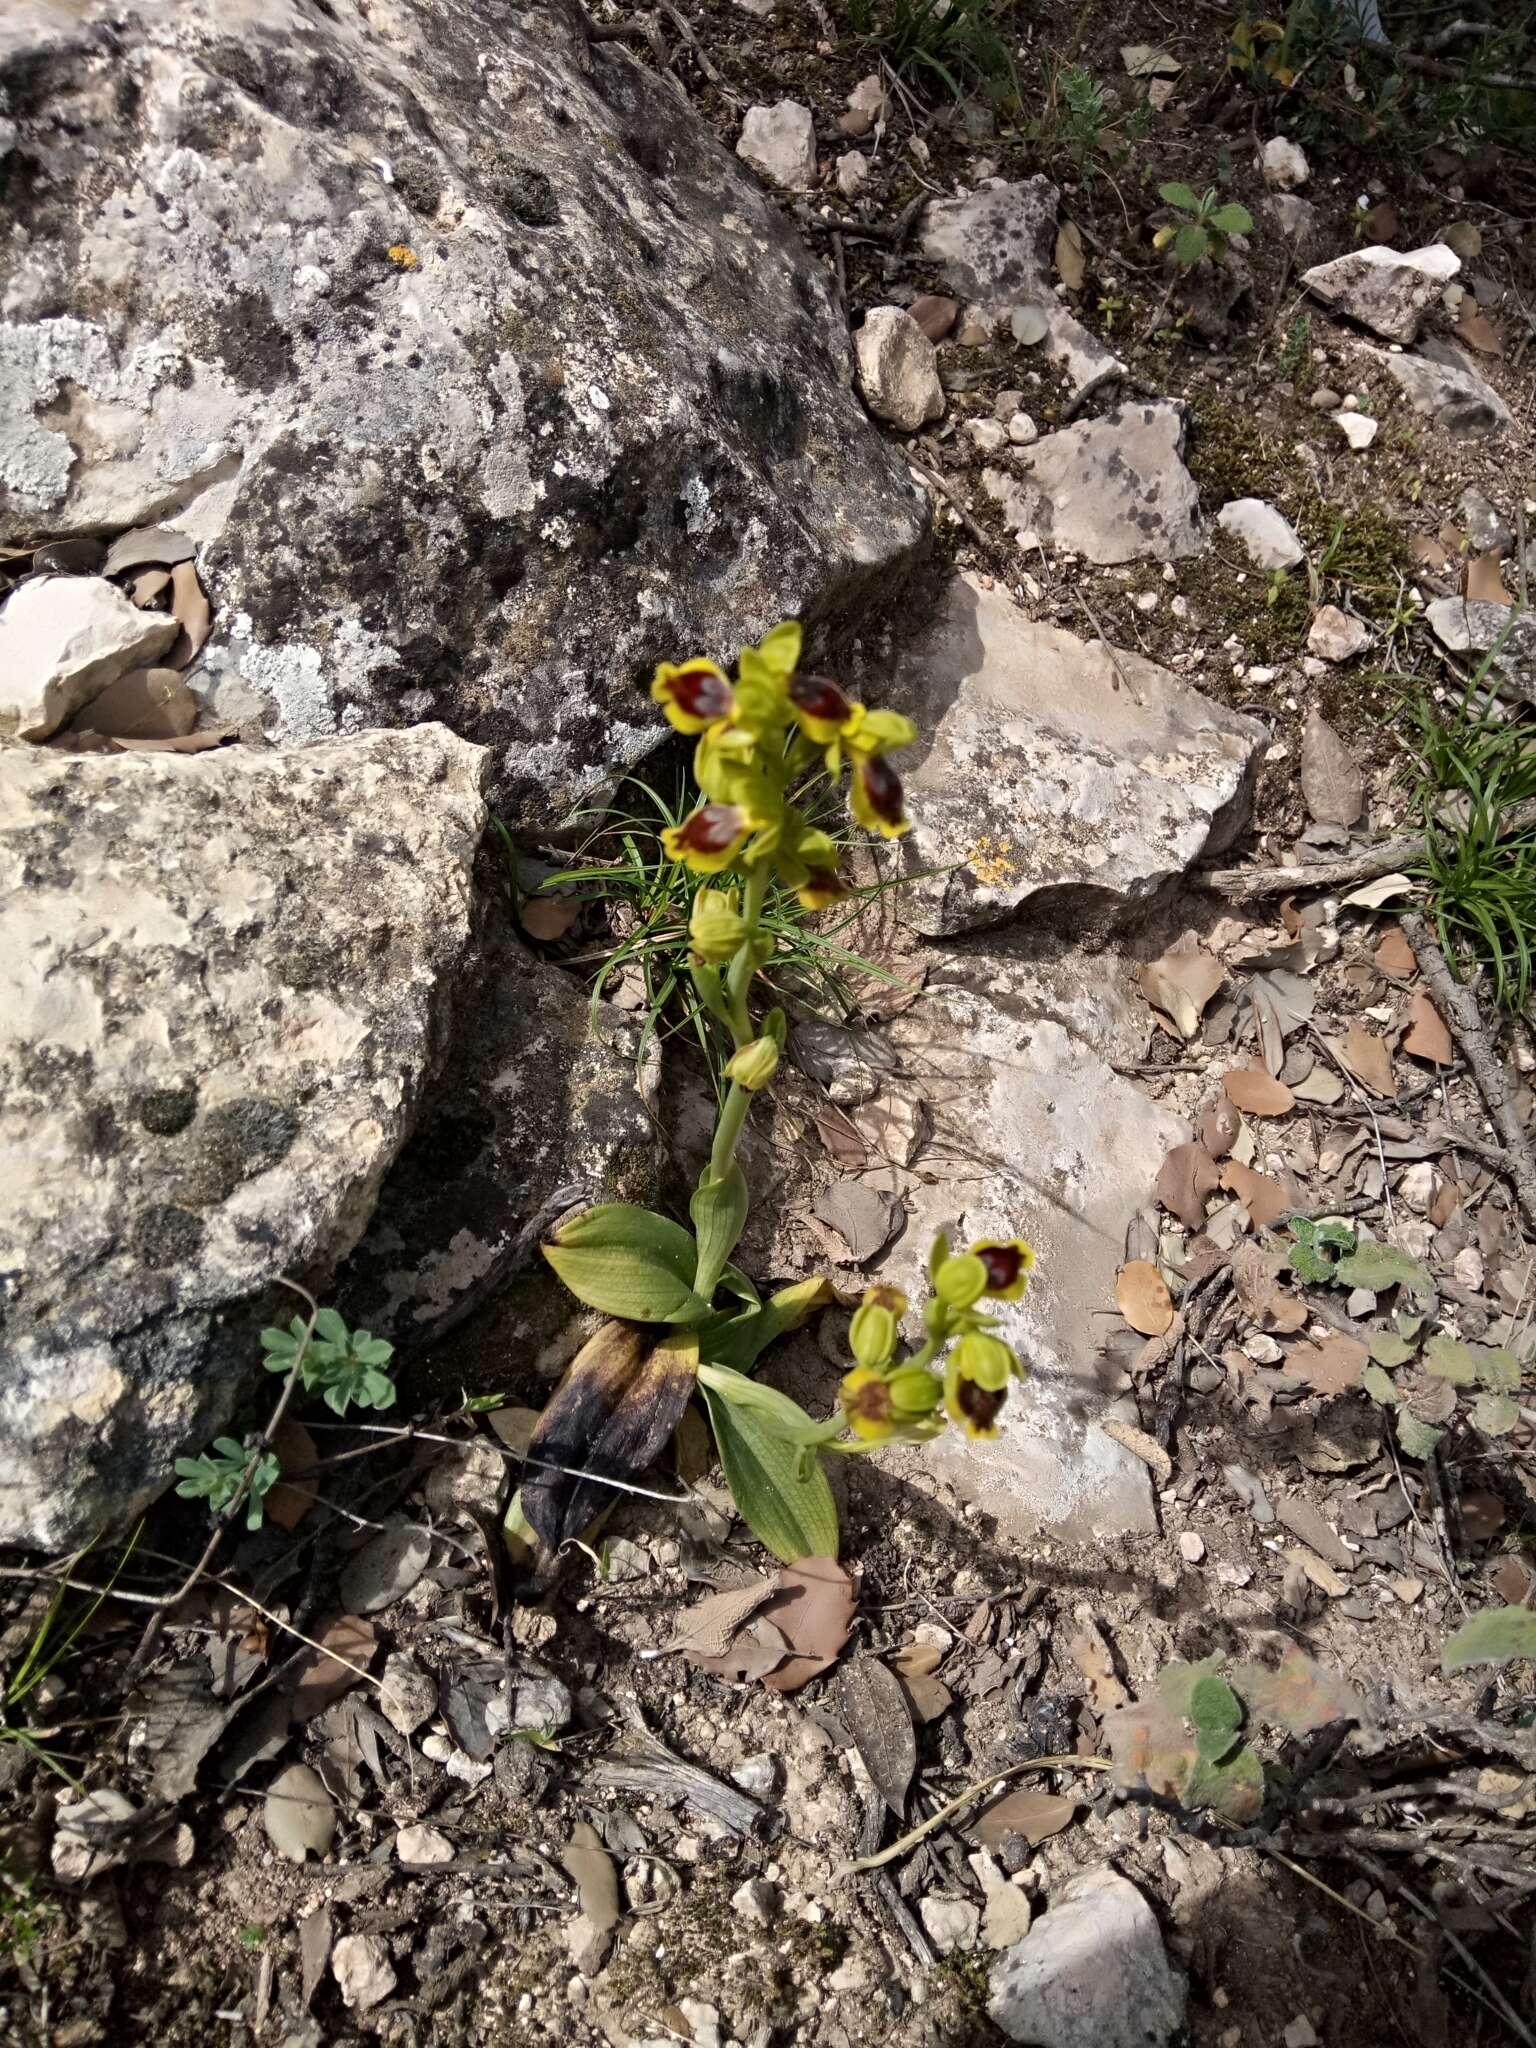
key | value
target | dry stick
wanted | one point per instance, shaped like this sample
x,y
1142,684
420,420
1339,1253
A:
x,y
1247,885
1459,1008
978,533
156,1621
948,1811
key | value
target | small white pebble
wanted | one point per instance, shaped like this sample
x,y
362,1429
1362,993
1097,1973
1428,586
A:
x,y
1191,1547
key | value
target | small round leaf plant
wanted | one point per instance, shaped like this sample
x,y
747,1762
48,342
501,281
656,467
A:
x,y
768,741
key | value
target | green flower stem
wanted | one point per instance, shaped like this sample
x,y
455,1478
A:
x,y
927,1353
738,1017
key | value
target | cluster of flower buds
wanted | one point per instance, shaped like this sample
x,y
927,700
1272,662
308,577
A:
x,y
886,1398
757,738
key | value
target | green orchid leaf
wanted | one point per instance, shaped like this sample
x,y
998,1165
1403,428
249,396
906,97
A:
x,y
1496,1636
775,1412
791,1514
1415,1439
1376,1267
1175,194
629,1262
1191,243
1380,1386
1450,1360
1232,219
719,1211
1495,1414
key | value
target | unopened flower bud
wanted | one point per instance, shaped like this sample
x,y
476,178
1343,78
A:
x,y
716,927
753,1067
961,1280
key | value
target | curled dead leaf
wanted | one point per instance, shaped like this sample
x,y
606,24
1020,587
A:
x,y
1330,1366
1184,1180
1367,1057
1426,1037
1180,984
1394,955
1265,1198
1331,781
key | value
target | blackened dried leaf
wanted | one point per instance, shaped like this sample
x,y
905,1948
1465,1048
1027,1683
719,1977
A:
x,y
466,1698
613,1413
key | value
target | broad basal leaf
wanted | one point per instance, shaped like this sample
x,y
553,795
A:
x,y
792,1515
628,1262
719,1211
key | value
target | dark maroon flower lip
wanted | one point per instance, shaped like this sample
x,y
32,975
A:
x,y
882,785
825,882
819,697
711,829
701,692
980,1405
1003,1262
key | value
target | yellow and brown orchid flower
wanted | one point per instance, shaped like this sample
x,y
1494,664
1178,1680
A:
x,y
709,838
875,797
1009,1263
694,694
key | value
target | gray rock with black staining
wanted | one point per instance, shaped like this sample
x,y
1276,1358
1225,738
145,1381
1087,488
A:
x,y
483,377
1114,489
224,981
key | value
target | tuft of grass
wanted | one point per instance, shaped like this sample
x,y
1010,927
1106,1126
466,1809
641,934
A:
x,y
1472,765
961,46
648,898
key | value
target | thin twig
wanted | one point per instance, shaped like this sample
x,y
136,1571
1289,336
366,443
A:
x,y
408,1433
1246,885
1458,1005
977,1790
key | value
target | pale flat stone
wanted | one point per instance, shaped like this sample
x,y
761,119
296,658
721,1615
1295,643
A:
x,y
1358,429
852,173
1026,1112
63,640
1387,290
898,369
1091,1972
1114,489
1268,536
362,1969
423,1845
208,1061
1479,627
949,1923
779,142
1441,381
1337,636
1046,769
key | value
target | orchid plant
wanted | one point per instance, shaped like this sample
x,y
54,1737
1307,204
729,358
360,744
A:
x,y
765,739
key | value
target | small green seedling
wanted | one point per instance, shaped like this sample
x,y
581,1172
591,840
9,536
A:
x,y
347,1366
1207,225
215,1477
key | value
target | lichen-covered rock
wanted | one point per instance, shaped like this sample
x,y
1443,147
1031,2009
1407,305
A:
x,y
1387,290
1114,489
779,142
1090,1973
223,981
482,374
1048,764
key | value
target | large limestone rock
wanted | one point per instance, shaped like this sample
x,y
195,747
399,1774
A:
x,y
1504,635
1046,764
65,639
223,982
1441,381
1387,290
483,375
1114,489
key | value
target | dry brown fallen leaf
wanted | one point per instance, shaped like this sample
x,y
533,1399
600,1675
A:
x,y
708,1628
1070,262
1257,1093
1331,781
1265,1198
548,917
1482,1515
1220,1126
1033,1814
814,1607
1475,328
288,1502
1367,1057
1394,955
1142,1296
1180,984
192,612
1090,1652
1330,1366
1256,1283
915,1665
1185,1179
1427,1037
320,1678
1140,1445
1485,584
873,1708
587,1863
145,704
1426,552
